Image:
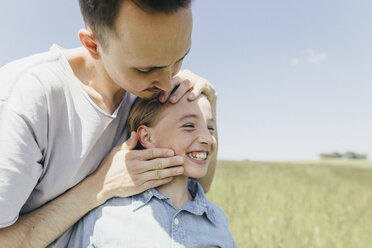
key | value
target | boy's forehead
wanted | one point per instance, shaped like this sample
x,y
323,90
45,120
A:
x,y
199,106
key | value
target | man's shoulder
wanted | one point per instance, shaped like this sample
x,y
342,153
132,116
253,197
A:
x,y
44,67
19,67
33,79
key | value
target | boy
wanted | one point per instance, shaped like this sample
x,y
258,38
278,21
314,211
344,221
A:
x,y
176,214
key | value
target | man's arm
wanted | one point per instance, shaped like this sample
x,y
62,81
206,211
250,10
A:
x,y
123,172
42,226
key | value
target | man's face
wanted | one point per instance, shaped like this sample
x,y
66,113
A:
x,y
147,50
187,127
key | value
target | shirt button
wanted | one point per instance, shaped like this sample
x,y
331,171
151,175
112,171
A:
x,y
176,221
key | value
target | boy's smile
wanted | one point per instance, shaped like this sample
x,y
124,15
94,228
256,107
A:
x,y
187,127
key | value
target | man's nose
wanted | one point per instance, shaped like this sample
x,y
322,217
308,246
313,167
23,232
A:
x,y
164,80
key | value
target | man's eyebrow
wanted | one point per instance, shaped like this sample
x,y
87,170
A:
x,y
161,67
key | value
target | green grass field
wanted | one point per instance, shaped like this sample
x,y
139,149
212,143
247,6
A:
x,y
303,204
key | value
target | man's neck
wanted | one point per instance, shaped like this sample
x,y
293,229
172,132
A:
x,y
94,80
177,190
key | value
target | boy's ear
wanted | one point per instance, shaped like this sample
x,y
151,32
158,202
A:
x,y
89,42
144,136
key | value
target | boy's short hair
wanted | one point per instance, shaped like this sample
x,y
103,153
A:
x,y
101,14
144,112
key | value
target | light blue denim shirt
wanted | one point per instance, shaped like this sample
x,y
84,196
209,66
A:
x,y
150,220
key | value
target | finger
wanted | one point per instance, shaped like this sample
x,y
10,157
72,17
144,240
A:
x,y
161,163
208,90
176,80
157,164
165,95
182,74
185,86
164,173
154,183
151,153
196,91
131,143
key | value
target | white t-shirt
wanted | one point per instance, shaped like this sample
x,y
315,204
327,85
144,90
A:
x,y
52,135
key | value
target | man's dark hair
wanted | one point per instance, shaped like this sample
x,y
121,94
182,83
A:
x,y
101,14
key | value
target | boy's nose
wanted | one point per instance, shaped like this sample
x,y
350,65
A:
x,y
206,137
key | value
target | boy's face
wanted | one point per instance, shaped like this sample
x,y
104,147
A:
x,y
147,49
187,128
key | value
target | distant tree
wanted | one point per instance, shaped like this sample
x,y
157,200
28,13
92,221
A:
x,y
350,155
330,155
324,156
363,156
346,155
336,155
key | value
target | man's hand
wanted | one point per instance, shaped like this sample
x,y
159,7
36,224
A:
x,y
189,82
125,172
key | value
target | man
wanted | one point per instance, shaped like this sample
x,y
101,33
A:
x,y
62,112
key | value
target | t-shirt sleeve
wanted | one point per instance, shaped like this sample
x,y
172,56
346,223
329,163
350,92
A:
x,y
20,149
19,164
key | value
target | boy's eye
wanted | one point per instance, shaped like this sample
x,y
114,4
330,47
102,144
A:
x,y
211,129
189,125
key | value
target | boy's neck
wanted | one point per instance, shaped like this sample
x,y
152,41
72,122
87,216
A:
x,y
177,190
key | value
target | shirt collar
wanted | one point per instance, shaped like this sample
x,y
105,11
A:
x,y
140,200
199,206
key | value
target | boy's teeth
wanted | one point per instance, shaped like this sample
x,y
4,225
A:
x,y
198,155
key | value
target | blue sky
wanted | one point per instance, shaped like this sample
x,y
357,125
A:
x,y
293,77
